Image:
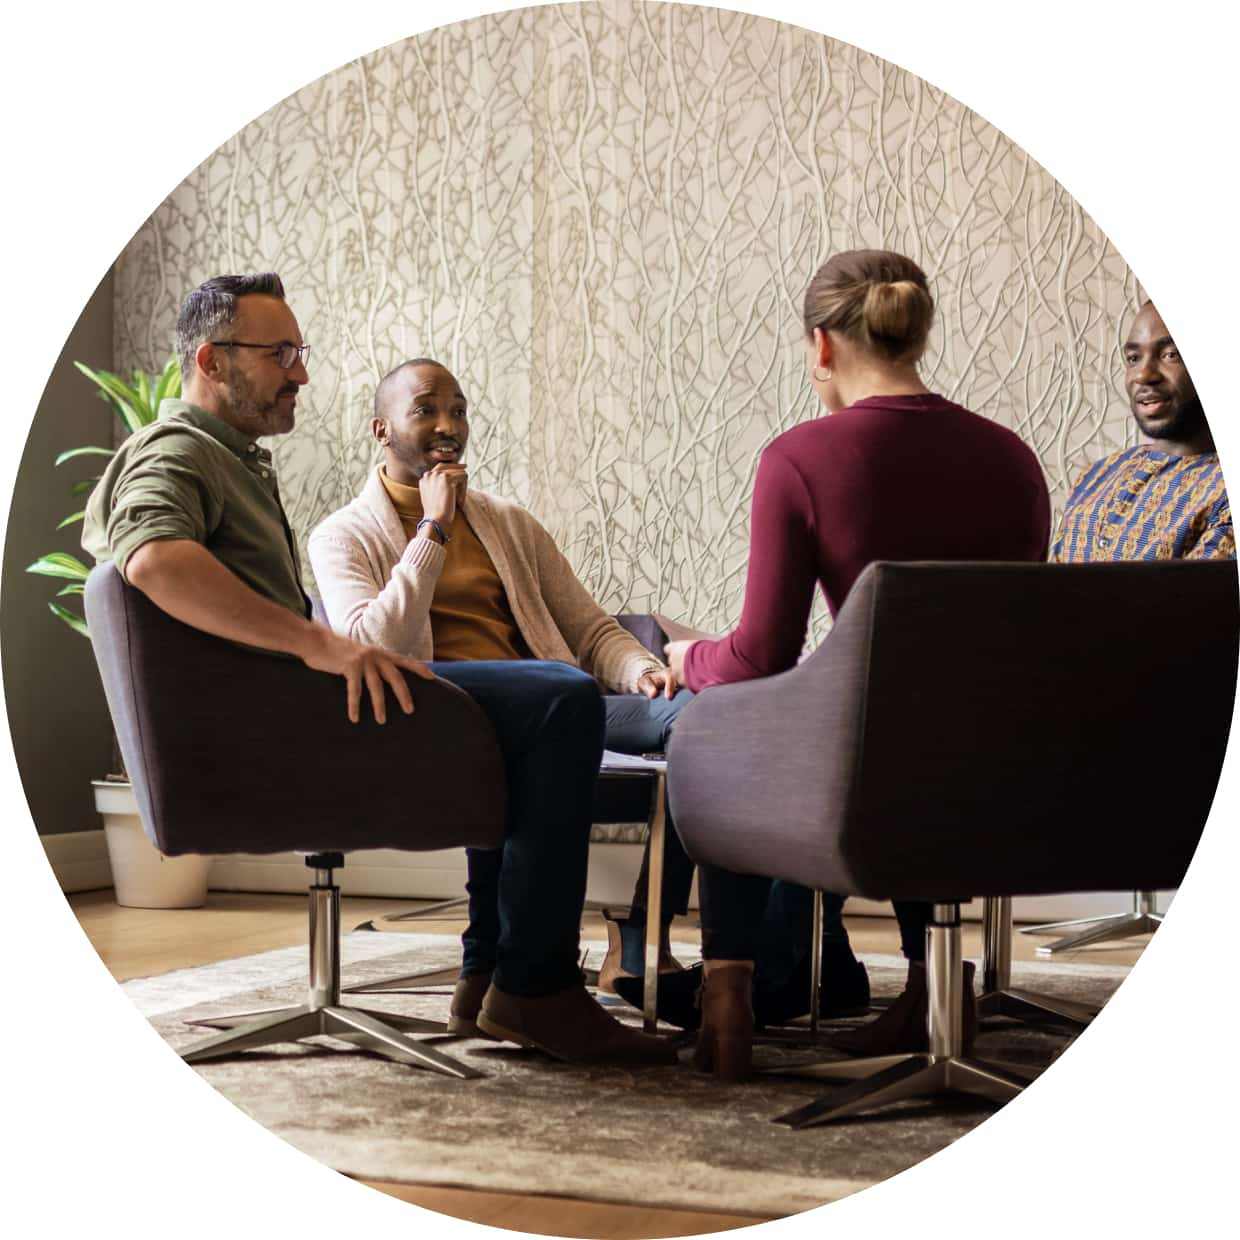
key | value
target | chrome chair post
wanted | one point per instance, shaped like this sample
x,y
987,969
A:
x,y
944,969
324,941
997,943
999,997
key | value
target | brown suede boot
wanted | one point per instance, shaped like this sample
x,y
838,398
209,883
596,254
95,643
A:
x,y
903,1027
570,1025
613,963
466,1004
725,1040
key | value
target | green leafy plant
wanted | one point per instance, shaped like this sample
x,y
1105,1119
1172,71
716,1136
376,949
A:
x,y
136,404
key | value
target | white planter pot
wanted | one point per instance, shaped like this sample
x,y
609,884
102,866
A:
x,y
143,876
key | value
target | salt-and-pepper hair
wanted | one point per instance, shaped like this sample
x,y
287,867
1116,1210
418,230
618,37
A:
x,y
211,309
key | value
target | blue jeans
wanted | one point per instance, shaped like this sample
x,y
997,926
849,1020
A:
x,y
548,718
637,724
634,724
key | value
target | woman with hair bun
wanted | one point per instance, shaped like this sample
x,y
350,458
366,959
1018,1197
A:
x,y
893,472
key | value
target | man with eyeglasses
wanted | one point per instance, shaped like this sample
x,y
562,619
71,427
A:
x,y
190,512
189,508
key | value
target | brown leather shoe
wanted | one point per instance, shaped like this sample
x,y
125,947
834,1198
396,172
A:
x,y
613,966
570,1025
725,1041
466,1004
903,1027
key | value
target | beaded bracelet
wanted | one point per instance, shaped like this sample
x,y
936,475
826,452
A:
x,y
443,538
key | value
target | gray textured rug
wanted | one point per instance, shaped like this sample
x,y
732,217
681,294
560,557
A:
x,y
666,1137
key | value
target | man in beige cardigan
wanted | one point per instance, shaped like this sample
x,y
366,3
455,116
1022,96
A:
x,y
423,565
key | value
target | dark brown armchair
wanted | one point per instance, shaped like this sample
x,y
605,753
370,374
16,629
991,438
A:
x,y
231,749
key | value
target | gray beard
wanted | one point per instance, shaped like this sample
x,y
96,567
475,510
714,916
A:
x,y
246,408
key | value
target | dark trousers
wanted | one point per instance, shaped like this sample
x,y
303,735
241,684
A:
x,y
633,723
548,718
748,917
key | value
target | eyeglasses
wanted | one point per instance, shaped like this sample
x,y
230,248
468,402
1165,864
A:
x,y
287,355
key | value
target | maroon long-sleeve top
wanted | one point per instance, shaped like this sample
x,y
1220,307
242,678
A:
x,y
887,478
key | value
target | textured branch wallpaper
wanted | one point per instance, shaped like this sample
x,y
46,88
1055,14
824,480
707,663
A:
x,y
603,217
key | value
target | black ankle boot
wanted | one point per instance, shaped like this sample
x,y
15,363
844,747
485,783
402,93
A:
x,y
677,1001
845,990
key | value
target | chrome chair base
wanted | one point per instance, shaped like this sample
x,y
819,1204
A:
x,y
442,906
1028,1005
1093,931
894,1078
428,979
943,1069
1101,930
382,1032
323,1014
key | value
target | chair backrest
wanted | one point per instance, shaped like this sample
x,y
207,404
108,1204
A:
x,y
318,613
646,629
971,729
232,749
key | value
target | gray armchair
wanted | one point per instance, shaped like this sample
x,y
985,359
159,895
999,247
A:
x,y
231,749
971,730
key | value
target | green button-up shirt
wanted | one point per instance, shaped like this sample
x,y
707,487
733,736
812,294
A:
x,y
191,475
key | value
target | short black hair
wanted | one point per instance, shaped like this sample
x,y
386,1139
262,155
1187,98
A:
x,y
212,307
389,378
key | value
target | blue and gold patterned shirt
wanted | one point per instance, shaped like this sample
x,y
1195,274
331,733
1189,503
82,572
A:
x,y
1144,504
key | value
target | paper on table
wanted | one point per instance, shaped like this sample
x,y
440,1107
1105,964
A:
x,y
613,761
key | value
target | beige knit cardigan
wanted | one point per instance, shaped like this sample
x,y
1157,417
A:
x,y
377,585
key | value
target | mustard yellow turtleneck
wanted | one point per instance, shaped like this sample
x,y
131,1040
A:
x,y
470,615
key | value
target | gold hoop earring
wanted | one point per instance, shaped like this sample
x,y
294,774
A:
x,y
824,377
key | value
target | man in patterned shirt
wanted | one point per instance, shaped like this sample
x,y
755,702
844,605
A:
x,y
1161,500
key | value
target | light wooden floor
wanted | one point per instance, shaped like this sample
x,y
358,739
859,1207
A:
x,y
144,942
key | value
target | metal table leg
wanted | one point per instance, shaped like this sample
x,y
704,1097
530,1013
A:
x,y
654,904
815,966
